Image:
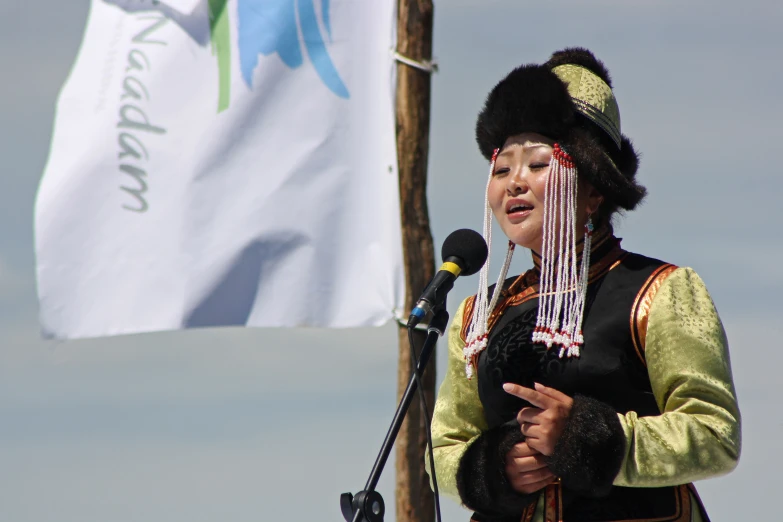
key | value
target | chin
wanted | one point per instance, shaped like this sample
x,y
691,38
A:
x,y
522,237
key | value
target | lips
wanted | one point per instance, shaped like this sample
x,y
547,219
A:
x,y
515,206
517,210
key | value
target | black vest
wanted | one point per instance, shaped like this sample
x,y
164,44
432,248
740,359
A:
x,y
610,369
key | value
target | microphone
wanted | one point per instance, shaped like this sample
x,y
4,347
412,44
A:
x,y
464,253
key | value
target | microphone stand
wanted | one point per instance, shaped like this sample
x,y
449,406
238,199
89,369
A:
x,y
367,505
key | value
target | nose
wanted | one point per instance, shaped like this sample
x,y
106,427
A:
x,y
517,184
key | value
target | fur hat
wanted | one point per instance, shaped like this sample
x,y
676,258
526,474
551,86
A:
x,y
568,99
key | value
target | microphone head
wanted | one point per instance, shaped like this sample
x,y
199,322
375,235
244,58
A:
x,y
469,247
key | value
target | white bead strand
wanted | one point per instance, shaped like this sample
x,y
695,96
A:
x,y
563,286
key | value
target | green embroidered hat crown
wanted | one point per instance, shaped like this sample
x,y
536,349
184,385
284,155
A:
x,y
592,97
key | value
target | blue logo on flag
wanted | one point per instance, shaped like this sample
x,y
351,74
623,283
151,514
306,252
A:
x,y
265,27
270,26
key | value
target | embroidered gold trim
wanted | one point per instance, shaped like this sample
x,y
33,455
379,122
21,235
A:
x,y
529,512
467,315
640,311
553,503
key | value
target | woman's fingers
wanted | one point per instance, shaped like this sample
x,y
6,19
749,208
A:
x,y
523,464
542,424
531,477
540,440
521,449
527,469
542,396
531,481
530,415
532,487
553,393
532,396
530,432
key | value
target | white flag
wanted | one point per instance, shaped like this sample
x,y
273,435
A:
x,y
223,162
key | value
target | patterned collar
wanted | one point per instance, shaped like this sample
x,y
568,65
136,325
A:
x,y
605,255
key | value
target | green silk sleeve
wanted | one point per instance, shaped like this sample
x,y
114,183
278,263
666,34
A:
x,y
697,435
458,418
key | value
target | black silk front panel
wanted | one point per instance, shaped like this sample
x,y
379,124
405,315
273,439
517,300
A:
x,y
609,368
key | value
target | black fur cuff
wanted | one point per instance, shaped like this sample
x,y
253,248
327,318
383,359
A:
x,y
481,475
591,448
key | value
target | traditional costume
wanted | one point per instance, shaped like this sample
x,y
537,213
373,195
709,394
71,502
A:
x,y
636,342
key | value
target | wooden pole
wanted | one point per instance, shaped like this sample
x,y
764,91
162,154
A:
x,y
414,499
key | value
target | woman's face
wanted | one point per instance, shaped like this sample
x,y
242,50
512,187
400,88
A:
x,y
516,190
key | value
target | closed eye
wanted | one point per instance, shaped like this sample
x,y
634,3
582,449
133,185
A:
x,y
538,166
503,170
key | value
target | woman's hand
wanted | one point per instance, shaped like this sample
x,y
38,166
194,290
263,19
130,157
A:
x,y
543,424
526,469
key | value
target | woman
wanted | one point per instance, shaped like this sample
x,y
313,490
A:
x,y
596,386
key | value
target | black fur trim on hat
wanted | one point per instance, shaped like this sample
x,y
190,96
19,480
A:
x,y
583,57
612,174
533,99
591,449
481,475
530,99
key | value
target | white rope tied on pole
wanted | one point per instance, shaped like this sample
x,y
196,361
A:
x,y
428,66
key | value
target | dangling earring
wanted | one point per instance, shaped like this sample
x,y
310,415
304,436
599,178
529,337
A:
x,y
584,273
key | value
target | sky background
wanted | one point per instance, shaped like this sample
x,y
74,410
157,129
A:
x,y
250,424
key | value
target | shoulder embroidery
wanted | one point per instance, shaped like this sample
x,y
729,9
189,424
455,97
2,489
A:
x,y
467,316
640,311
520,290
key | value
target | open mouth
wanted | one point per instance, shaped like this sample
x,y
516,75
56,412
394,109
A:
x,y
519,208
